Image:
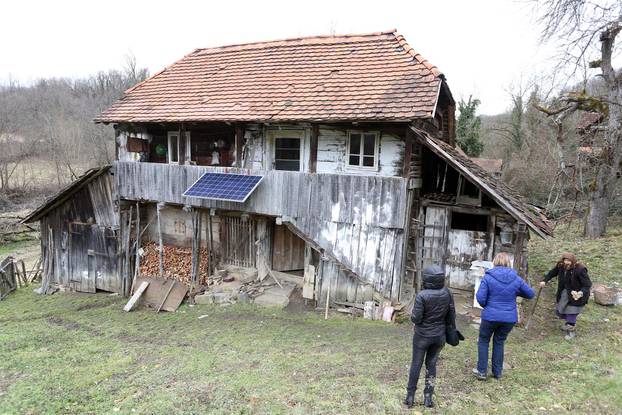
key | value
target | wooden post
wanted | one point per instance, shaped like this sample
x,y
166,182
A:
x,y
181,144
196,247
327,302
137,248
408,147
239,142
158,207
518,248
313,148
126,246
210,245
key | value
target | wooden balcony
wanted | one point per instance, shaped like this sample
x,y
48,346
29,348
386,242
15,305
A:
x,y
358,200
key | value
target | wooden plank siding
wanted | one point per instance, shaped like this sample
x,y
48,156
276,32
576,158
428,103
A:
x,y
363,200
359,220
84,254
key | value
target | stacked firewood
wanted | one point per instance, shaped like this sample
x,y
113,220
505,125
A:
x,y
177,263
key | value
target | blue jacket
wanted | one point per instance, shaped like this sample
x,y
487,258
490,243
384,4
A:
x,y
497,294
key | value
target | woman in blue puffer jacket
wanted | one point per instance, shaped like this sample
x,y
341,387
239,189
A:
x,y
497,295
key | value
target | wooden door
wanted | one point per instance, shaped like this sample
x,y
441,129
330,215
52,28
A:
x,y
92,259
434,237
81,263
237,241
463,248
288,251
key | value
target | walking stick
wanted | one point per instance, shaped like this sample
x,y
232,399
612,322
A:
x,y
533,310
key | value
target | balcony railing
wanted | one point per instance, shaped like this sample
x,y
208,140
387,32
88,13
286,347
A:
x,y
360,200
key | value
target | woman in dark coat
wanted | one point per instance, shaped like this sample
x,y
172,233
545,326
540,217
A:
x,y
497,295
573,290
434,309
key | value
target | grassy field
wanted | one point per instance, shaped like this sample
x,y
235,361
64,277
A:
x,y
603,257
78,353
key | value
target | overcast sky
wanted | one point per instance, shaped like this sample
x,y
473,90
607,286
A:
x,y
483,47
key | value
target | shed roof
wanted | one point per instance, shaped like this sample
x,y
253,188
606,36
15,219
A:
x,y
490,165
365,77
65,193
506,197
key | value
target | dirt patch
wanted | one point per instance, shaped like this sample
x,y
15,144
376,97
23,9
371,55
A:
x,y
7,379
72,325
91,306
298,304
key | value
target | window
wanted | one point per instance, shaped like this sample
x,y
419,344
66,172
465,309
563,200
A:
x,y
363,150
469,222
287,153
468,193
172,155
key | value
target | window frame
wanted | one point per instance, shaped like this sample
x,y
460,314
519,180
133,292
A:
x,y
284,132
360,154
188,154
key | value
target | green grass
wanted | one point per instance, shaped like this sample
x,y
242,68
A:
x,y
79,353
602,256
7,248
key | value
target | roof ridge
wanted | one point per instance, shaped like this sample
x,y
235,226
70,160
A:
x,y
299,38
417,56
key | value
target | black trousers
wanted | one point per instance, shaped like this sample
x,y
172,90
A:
x,y
428,349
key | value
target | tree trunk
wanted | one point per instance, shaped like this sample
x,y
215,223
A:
x,y
602,191
598,208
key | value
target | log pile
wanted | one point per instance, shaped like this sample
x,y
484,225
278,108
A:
x,y
177,263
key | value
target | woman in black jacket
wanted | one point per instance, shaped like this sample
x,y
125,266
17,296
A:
x,y
573,290
434,309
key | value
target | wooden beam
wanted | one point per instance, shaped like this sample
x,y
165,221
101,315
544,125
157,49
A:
x,y
313,148
239,142
408,147
181,144
139,292
165,296
160,244
136,248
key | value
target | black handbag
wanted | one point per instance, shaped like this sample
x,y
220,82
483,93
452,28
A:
x,y
453,335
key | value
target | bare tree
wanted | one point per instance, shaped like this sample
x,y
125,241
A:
x,y
578,25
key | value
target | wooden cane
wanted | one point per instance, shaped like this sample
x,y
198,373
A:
x,y
533,311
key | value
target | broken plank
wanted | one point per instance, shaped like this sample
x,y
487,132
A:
x,y
139,292
170,288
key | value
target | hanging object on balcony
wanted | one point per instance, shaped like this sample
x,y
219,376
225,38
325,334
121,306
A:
x,y
224,186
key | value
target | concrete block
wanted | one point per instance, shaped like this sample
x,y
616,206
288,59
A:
x,y
206,298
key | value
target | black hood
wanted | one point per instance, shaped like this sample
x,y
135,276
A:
x,y
433,278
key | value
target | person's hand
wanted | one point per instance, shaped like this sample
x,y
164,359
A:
x,y
542,283
576,294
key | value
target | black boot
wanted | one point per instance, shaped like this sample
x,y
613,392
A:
x,y
410,399
427,400
428,391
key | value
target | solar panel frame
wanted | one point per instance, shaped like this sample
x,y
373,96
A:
x,y
231,190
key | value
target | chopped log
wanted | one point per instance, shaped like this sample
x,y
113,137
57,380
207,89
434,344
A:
x,y
139,292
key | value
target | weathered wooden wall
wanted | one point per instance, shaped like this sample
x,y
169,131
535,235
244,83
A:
x,y
332,153
359,220
84,252
363,200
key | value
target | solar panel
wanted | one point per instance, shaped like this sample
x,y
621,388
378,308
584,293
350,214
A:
x,y
224,186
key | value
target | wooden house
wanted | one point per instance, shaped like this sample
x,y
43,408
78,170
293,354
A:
x,y
361,184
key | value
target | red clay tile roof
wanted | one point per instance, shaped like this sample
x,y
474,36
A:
x,y
589,119
371,77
